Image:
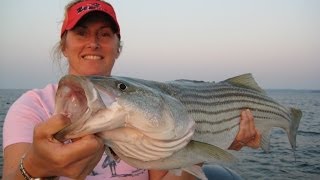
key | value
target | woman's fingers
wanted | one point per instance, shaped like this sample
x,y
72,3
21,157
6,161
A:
x,y
84,147
248,135
54,124
255,141
254,135
246,124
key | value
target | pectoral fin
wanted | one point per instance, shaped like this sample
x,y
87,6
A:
x,y
196,171
210,153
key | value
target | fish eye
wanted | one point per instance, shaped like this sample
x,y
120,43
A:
x,y
122,86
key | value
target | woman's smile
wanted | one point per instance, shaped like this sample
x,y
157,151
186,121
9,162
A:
x,y
92,57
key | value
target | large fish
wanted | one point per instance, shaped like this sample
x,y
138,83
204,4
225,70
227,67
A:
x,y
168,125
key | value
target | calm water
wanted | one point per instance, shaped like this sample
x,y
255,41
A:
x,y
281,162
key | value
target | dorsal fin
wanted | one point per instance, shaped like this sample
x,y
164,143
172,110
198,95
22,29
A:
x,y
246,81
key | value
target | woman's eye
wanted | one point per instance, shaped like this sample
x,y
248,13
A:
x,y
122,86
81,33
105,34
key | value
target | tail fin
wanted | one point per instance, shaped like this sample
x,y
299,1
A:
x,y
294,125
292,130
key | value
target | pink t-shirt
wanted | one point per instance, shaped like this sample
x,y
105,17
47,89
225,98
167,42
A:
x,y
36,106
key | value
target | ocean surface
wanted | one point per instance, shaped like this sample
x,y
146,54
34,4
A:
x,y
281,162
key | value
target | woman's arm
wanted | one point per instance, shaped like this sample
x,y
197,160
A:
x,y
47,157
11,159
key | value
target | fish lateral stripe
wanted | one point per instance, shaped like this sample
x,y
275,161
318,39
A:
x,y
238,109
208,122
214,96
217,132
243,102
210,89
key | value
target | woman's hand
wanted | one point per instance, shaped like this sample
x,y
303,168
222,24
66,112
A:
x,y
248,135
49,157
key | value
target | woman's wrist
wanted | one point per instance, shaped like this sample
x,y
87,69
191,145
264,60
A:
x,y
24,172
27,170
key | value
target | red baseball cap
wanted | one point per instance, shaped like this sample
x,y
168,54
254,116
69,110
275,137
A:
x,y
77,11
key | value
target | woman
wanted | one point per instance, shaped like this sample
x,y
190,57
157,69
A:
x,y
90,41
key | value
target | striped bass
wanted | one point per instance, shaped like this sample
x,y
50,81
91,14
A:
x,y
168,125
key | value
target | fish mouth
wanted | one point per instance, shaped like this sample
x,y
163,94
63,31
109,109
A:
x,y
81,101
78,98
71,99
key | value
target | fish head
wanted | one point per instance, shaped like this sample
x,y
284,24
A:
x,y
132,116
155,125
148,109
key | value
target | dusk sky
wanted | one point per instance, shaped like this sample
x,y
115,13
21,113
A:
x,y
278,41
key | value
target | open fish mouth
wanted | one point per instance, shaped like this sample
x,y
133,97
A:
x,y
71,100
78,99
76,96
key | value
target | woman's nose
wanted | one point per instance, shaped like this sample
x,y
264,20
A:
x,y
93,42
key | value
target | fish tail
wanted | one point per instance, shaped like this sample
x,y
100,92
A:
x,y
294,125
291,130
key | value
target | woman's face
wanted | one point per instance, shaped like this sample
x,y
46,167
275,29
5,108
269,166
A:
x,y
91,47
